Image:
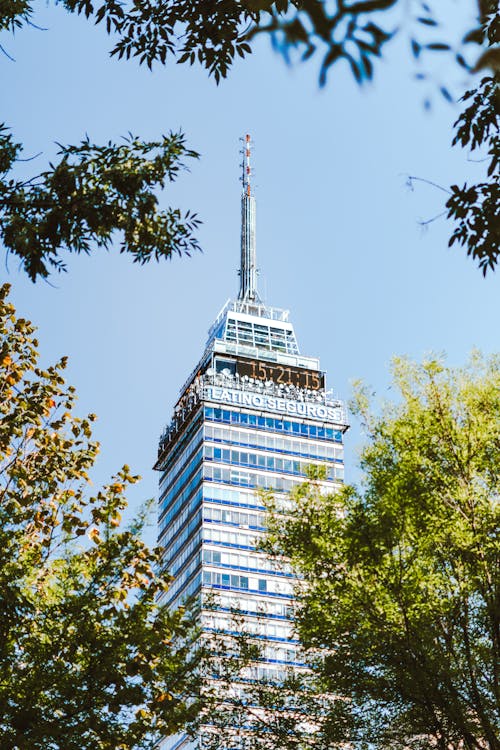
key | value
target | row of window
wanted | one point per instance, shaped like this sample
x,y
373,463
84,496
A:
x,y
274,652
225,579
254,562
255,627
220,515
172,488
175,499
254,479
168,530
234,581
266,674
236,538
278,443
250,605
272,423
182,458
181,587
189,591
247,479
228,496
263,461
264,336
176,537
242,498
175,564
279,653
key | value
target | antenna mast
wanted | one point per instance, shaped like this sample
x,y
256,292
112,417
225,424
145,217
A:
x,y
248,271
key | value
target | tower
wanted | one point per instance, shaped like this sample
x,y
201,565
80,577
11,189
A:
x,y
253,414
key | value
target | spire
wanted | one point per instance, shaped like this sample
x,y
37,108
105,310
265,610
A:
x,y
248,270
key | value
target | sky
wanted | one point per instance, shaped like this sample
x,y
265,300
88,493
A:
x,y
339,240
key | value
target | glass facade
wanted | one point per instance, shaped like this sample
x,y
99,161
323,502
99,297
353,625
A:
x,y
230,437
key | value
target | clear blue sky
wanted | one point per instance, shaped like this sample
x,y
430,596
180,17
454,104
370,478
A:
x,y
338,239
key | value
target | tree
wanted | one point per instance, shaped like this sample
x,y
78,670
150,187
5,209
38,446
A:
x,y
401,585
475,208
89,195
87,654
109,189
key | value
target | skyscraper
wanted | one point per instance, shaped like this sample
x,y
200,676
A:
x,y
253,414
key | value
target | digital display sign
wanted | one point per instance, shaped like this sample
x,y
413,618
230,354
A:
x,y
280,374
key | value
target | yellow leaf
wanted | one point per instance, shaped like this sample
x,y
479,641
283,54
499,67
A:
x,y
94,535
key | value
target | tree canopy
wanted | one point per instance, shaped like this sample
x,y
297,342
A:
x,y
89,658
96,191
400,577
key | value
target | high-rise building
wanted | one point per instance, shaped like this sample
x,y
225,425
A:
x,y
253,414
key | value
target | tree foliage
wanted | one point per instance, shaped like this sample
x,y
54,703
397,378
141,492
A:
x,y
476,208
213,33
401,585
89,195
86,653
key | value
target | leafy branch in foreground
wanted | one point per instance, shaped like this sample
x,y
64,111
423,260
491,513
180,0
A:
x,y
89,195
476,208
213,33
88,657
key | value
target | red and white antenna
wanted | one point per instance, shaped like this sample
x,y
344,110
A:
x,y
247,169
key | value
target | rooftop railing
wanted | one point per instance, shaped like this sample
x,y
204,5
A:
x,y
195,394
250,308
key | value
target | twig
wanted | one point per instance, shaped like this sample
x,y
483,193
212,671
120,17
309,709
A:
x,y
428,182
429,221
2,49
30,158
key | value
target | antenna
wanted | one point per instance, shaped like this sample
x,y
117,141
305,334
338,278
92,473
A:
x,y
248,270
245,165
